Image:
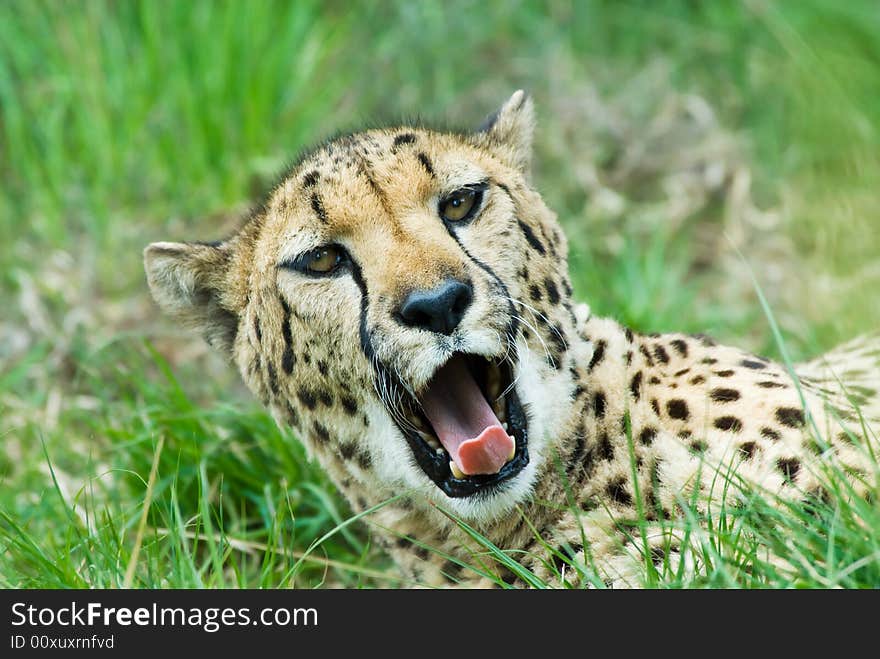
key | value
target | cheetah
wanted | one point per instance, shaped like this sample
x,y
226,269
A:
x,y
401,300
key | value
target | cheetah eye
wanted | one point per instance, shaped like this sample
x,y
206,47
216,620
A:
x,y
322,260
461,205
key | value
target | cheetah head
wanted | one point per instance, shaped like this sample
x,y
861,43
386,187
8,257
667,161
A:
x,y
401,299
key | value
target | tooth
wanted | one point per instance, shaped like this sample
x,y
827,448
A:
x,y
439,450
458,473
512,450
504,425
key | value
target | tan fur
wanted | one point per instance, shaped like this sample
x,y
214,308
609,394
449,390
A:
x,y
604,403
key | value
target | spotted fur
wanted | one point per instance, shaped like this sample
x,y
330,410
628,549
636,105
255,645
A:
x,y
618,421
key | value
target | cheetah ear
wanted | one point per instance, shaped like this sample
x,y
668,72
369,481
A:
x,y
187,281
510,128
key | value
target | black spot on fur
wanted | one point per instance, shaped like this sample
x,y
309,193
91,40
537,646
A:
x,y
531,238
257,331
722,395
768,384
680,346
654,380
705,339
724,374
347,450
401,139
588,504
599,404
790,416
814,447
730,423
683,371
606,449
598,354
452,570
292,416
658,556
655,406
349,404
628,358
789,467
648,434
635,385
535,293
698,447
629,335
698,379
769,433
287,361
325,398
321,433
850,438
576,457
748,363
272,377
708,360
748,449
426,163
678,409
661,354
616,489
310,179
307,398
552,291
564,555
647,355
558,338
318,207
364,460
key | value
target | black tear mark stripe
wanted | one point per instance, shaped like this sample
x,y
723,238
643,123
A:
x,y
426,163
514,317
366,344
318,207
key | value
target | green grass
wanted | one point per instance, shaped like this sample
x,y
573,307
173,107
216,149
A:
x,y
124,123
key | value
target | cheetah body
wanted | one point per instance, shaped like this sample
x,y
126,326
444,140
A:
x,y
620,425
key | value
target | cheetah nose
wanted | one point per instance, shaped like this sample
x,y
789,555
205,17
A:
x,y
439,309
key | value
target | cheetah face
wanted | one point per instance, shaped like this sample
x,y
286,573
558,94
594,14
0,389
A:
x,y
377,303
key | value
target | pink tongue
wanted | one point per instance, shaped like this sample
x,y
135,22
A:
x,y
465,424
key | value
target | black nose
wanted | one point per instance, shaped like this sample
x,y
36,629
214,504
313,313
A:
x,y
439,309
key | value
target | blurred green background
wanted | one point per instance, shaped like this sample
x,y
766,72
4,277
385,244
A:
x,y
685,145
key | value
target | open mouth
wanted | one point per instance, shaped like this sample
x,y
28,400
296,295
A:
x,y
468,431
